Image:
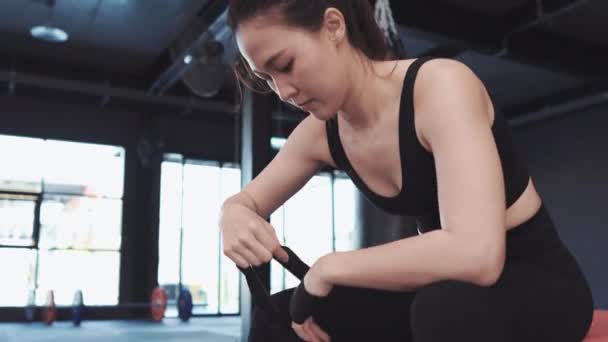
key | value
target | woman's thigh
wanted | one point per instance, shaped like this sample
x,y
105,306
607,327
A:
x,y
528,303
368,314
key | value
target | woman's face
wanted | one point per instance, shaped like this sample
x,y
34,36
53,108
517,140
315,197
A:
x,y
303,68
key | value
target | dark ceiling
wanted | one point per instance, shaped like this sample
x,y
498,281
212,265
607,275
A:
x,y
532,54
113,35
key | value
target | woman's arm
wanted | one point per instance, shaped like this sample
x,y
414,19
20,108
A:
x,y
247,239
452,107
304,153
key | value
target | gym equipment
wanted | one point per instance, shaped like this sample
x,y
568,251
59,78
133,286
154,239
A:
x,y
30,309
157,307
599,327
184,305
50,311
158,304
77,308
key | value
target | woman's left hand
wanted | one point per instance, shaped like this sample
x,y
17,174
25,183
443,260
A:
x,y
310,331
317,285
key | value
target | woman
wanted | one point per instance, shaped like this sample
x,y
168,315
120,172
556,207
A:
x,y
418,137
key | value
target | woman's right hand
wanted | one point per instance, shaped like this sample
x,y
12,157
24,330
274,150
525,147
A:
x,y
247,238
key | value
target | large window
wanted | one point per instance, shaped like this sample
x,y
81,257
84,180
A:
x,y
344,197
17,223
190,241
317,220
61,209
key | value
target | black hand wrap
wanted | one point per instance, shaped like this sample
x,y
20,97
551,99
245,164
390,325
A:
x,y
302,304
295,265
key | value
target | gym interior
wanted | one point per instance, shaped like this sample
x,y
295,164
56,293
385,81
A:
x,y
123,128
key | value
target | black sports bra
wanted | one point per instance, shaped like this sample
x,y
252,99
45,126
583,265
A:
x,y
419,197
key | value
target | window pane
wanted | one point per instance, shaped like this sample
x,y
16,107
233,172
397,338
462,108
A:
x,y
17,223
308,223
170,224
21,169
83,169
229,274
80,222
344,214
18,269
95,273
277,271
229,287
194,209
200,253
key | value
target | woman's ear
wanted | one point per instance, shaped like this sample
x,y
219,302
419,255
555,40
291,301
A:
x,y
334,25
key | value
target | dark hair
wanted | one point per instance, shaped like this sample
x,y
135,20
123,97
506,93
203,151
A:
x,y
362,30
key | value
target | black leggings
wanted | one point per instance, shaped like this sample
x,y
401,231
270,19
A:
x,y
541,295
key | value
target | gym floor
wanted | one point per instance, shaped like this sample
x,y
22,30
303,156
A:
x,y
212,329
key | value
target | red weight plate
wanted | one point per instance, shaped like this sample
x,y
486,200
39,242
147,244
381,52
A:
x,y
158,304
50,311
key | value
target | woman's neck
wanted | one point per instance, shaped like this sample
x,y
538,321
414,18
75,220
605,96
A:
x,y
372,86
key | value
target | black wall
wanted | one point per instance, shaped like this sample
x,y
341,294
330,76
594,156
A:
x,y
568,159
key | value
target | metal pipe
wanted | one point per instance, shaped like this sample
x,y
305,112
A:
x,y
542,17
117,92
555,111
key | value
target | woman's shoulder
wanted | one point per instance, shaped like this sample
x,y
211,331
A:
x,y
446,79
441,69
310,135
448,91
434,71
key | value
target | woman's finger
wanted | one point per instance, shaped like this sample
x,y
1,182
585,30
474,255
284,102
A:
x,y
317,331
261,253
239,260
301,331
251,258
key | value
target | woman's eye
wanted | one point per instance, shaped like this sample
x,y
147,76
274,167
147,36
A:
x,y
287,68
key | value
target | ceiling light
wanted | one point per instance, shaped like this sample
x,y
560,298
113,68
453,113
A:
x,y
49,34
